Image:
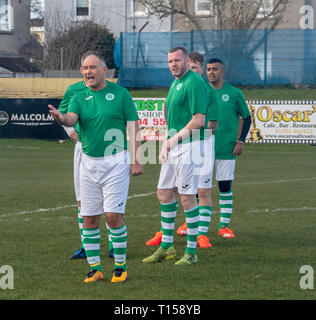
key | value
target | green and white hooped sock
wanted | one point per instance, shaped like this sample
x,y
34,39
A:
x,y
205,213
226,208
91,243
192,219
119,242
80,223
109,237
168,217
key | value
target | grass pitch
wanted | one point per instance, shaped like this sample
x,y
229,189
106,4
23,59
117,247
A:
x,y
274,221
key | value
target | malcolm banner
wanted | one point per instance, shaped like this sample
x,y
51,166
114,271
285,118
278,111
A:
x,y
272,121
29,118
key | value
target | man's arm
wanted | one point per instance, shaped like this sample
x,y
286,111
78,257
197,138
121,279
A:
x,y
197,122
68,120
133,133
212,125
239,147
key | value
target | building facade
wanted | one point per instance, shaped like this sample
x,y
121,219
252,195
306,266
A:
x,y
297,14
15,40
14,26
118,15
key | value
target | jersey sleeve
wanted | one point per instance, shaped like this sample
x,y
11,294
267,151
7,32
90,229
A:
x,y
64,104
130,111
197,97
243,106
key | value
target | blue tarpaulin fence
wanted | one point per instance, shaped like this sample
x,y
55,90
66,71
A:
x,y
251,57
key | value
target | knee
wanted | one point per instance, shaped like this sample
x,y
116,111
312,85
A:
x,y
91,222
166,196
114,220
204,193
224,186
188,201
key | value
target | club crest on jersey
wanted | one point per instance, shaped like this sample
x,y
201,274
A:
x,y
179,86
109,96
225,97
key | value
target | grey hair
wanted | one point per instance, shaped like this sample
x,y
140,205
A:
x,y
92,53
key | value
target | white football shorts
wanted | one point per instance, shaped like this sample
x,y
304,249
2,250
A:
x,y
225,169
104,183
77,163
181,170
206,171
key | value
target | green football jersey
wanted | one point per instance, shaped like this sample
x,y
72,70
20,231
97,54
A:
x,y
103,116
186,97
232,106
64,104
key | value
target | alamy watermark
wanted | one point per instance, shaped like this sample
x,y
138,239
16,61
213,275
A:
x,y
191,150
307,18
307,280
6,277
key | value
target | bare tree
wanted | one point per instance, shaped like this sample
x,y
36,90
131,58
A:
x,y
36,9
77,39
226,17
225,14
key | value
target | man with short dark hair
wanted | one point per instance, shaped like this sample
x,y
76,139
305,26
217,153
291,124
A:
x,y
228,145
196,63
186,109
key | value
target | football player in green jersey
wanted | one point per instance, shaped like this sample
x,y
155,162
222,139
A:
x,y
196,63
74,134
229,140
186,110
228,143
205,183
104,110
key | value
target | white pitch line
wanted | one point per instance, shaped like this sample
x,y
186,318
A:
x,y
266,210
37,211
278,181
66,206
141,195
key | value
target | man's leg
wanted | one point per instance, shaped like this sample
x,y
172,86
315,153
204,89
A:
x,y
205,213
226,208
156,240
191,211
168,205
225,175
111,254
91,243
80,253
118,232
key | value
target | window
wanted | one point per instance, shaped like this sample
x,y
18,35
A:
x,y
82,8
203,7
265,9
138,9
5,15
